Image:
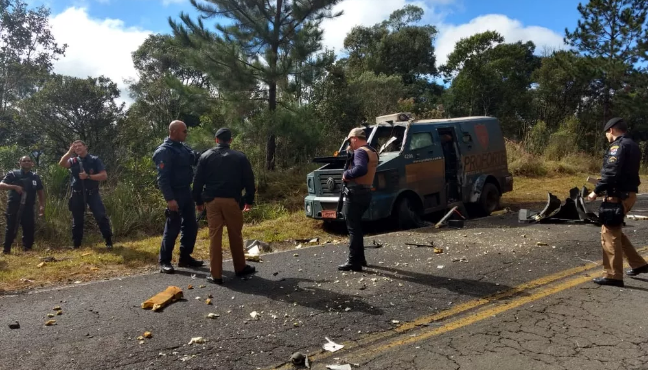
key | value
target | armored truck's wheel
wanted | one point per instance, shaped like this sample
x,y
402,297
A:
x,y
489,199
407,215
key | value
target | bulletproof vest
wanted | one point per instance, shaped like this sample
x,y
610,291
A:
x,y
368,178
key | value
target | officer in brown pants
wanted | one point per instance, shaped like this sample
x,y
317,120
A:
x,y
221,176
620,181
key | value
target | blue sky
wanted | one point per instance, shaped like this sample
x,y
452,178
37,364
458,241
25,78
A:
x,y
102,34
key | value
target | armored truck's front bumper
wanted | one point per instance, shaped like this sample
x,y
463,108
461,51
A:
x,y
322,208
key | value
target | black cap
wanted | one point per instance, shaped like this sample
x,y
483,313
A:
x,y
612,122
224,134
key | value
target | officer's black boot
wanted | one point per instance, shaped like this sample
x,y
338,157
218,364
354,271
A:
x,y
109,243
189,261
166,268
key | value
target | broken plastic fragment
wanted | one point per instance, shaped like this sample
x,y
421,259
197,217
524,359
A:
x,y
197,340
438,250
332,346
57,308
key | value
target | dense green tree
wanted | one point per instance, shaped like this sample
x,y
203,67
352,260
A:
x,y
27,50
69,108
261,44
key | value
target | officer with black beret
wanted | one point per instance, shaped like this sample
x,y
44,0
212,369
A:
x,y
221,175
620,181
174,161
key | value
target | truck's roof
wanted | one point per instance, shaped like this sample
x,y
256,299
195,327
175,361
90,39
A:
x,y
440,120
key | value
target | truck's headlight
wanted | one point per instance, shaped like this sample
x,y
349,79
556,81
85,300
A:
x,y
309,210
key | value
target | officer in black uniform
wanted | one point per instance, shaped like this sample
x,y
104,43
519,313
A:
x,y
22,182
174,161
620,181
87,171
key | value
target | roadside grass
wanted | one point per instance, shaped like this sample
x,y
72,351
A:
x,y
20,271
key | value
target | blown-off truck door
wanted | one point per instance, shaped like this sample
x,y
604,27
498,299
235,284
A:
x,y
424,166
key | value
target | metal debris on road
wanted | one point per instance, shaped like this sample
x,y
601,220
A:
x,y
299,359
57,308
440,266
541,244
438,250
50,315
203,286
169,295
332,346
15,325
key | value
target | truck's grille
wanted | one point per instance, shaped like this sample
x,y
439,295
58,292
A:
x,y
330,184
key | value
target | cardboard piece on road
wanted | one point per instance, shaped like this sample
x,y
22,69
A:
x,y
162,299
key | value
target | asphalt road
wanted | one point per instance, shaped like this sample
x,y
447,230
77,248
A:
x,y
502,295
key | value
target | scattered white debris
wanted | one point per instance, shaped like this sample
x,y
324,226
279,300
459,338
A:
x,y
332,346
197,340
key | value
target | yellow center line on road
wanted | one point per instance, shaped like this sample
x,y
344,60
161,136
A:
x,y
461,308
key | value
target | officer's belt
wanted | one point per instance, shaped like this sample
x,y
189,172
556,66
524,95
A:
x,y
88,191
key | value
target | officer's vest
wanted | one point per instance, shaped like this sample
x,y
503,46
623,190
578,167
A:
x,y
368,178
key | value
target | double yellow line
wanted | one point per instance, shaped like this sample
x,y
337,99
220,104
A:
x,y
374,344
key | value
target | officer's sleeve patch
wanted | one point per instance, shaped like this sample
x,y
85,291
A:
x,y
160,165
614,150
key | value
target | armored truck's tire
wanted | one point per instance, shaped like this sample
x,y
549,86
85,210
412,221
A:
x,y
489,199
407,215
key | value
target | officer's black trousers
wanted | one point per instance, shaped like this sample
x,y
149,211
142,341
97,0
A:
x,y
27,223
355,205
184,222
96,205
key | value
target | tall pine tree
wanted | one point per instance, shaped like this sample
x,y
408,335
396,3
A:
x,y
260,44
613,36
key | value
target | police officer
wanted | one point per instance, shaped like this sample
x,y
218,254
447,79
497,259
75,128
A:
x,y
359,178
87,171
620,181
22,182
221,176
175,161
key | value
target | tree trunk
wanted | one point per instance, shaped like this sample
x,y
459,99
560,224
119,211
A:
x,y
271,144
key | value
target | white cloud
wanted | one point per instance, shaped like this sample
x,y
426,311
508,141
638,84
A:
x,y
96,46
512,31
167,2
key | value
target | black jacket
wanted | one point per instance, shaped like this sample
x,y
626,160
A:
x,y
174,161
223,173
620,171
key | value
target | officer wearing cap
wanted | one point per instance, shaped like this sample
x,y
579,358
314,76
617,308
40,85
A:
x,y
221,176
358,178
620,182
174,161
22,182
87,171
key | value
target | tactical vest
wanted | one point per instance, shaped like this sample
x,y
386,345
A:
x,y
368,178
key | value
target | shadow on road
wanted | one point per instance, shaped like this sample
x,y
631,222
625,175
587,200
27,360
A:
x,y
302,291
473,288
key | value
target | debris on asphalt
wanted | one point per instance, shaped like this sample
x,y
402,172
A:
x,y
140,338
40,264
208,301
50,315
15,325
203,286
332,346
339,367
252,258
438,250
254,315
50,323
375,244
197,340
190,287
395,322
429,245
213,315
295,255
440,266
637,217
299,359
169,295
193,276
197,298
541,244
148,334
57,308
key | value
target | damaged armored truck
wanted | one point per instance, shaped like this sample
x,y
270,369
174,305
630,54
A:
x,y
425,166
